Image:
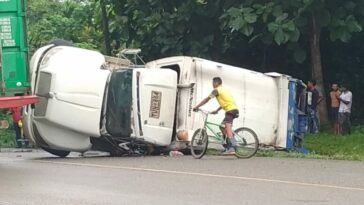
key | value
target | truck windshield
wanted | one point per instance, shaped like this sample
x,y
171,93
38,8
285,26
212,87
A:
x,y
119,101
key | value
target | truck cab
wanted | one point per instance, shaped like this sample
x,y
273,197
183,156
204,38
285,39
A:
x,y
90,101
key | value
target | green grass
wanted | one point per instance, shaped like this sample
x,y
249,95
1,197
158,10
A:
x,y
324,145
347,147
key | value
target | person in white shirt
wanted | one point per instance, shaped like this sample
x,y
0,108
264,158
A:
x,y
346,99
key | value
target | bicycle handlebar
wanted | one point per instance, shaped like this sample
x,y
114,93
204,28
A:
x,y
203,111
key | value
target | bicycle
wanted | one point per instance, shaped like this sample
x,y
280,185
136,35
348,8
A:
x,y
247,142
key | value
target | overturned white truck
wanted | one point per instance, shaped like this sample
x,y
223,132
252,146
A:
x,y
92,102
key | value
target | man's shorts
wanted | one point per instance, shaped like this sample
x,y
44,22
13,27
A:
x,y
230,116
335,114
344,117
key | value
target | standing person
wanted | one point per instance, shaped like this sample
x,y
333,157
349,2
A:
x,y
345,110
335,103
16,114
226,102
313,99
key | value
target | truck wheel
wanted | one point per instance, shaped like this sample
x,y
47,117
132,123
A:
x,y
59,153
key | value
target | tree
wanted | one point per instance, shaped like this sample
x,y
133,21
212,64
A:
x,y
163,28
105,27
284,22
72,20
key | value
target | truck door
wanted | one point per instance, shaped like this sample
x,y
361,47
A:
x,y
154,100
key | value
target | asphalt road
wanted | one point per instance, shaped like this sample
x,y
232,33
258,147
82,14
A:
x,y
39,178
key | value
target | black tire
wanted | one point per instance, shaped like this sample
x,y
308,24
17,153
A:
x,y
247,142
59,153
199,143
60,42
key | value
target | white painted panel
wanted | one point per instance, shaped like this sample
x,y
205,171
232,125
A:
x,y
157,104
78,85
259,98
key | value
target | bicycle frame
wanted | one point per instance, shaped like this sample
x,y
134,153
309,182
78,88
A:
x,y
209,126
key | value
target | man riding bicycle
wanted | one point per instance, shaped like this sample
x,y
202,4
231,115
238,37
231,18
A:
x,y
226,102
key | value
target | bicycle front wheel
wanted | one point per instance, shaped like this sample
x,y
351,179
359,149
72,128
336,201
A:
x,y
199,143
247,142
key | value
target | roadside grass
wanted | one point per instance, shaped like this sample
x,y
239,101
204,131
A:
x,y
324,145
340,147
7,136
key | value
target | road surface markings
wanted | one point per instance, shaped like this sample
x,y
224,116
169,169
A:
x,y
205,175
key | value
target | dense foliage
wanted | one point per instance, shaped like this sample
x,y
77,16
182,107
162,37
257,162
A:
x,y
303,38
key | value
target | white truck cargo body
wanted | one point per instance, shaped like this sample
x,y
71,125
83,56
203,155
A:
x,y
262,99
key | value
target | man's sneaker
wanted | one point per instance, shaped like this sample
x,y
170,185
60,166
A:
x,y
229,151
225,145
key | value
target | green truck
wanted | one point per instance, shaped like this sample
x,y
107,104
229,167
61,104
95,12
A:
x,y
13,54
13,48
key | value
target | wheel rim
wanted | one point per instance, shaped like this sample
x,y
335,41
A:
x,y
246,143
199,144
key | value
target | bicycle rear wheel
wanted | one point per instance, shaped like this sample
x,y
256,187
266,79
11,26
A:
x,y
247,142
199,143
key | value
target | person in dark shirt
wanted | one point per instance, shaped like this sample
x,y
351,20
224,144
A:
x,y
313,99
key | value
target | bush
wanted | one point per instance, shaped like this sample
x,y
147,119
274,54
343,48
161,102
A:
x,y
7,136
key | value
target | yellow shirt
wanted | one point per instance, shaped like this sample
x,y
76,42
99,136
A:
x,y
224,97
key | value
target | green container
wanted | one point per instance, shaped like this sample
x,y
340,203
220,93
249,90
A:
x,y
13,48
